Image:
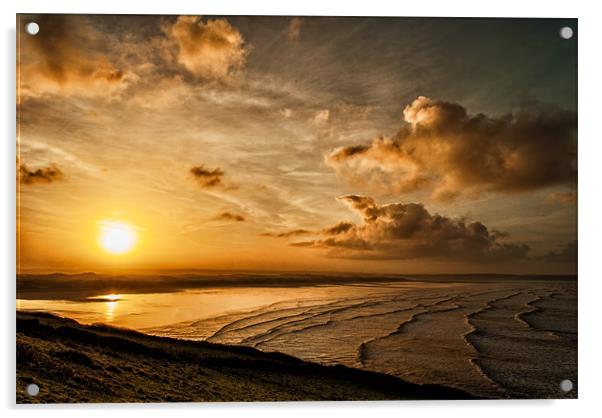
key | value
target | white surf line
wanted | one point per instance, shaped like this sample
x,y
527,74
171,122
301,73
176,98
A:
x,y
533,309
361,350
242,314
516,324
282,328
231,326
474,360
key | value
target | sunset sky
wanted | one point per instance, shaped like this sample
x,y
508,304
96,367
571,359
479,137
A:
x,y
341,144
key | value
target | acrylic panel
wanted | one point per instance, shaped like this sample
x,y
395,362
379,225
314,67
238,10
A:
x,y
273,208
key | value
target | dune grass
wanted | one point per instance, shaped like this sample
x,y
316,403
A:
x,y
71,362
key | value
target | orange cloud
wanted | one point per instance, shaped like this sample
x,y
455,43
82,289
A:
x,y
444,149
409,230
211,49
68,56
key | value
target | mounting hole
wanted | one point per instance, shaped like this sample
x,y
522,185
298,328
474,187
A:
x,y
566,385
32,389
566,32
32,28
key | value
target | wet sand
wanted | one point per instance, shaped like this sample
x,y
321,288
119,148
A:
x,y
502,340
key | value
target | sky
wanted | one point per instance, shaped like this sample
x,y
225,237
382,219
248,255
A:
x,y
378,145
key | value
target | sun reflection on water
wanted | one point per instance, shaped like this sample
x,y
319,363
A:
x,y
111,300
110,311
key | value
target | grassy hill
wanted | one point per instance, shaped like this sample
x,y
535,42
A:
x,y
71,362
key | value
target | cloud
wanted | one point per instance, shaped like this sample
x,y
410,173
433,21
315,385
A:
x,y
568,253
294,29
86,56
408,230
443,149
211,49
346,112
206,177
286,234
342,114
68,56
228,216
339,228
286,113
322,116
564,198
41,175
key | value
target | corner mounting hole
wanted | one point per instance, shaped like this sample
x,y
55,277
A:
x,y
566,385
566,32
32,28
32,389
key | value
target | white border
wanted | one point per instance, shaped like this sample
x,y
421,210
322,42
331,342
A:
x,y
590,138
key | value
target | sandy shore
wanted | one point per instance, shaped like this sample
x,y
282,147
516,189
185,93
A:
x,y
71,362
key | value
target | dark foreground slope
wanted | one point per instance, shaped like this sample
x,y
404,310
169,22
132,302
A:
x,y
71,362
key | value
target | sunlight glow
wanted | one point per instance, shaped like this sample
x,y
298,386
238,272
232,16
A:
x,y
110,311
117,237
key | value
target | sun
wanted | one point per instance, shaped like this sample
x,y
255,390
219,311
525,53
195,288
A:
x,y
117,237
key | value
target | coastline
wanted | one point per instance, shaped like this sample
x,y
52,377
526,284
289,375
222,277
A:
x,y
74,363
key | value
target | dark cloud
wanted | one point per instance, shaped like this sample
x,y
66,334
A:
x,y
211,49
444,149
229,216
345,152
286,234
67,56
339,228
41,175
408,230
206,177
566,254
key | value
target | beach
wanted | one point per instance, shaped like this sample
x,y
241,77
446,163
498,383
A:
x,y
488,337
73,363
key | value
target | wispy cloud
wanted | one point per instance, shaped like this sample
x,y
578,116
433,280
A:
x,y
69,57
286,234
260,102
